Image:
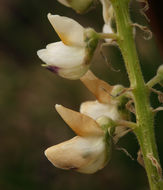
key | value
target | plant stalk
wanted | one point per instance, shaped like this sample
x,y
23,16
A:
x,y
145,121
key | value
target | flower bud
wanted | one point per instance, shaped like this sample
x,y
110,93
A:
x,y
79,6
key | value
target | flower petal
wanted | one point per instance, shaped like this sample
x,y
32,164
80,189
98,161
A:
x,y
107,28
61,55
95,110
85,155
81,124
69,31
98,87
75,72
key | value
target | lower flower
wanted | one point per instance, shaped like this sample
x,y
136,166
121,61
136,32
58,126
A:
x,y
83,154
88,152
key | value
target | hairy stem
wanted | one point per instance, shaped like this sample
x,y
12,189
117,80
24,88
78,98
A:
x,y
145,130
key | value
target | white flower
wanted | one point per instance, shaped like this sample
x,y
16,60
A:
x,y
69,58
79,6
88,151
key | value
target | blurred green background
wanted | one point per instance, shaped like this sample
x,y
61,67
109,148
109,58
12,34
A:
x,y
28,121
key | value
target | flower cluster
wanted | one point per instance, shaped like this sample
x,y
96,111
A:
x,y
95,125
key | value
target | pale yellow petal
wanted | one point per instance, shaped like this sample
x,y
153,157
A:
x,y
81,124
69,31
98,87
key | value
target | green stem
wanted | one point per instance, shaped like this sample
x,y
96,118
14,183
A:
x,y
155,80
145,130
128,124
108,36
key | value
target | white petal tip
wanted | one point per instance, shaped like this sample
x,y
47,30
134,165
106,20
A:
x,y
39,52
42,54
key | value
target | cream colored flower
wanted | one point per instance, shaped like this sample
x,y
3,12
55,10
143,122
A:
x,y
88,152
79,6
105,105
69,58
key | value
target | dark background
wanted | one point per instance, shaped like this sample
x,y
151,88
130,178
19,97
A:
x,y
28,121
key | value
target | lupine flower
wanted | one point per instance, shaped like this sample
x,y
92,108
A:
x,y
88,152
105,105
79,6
69,58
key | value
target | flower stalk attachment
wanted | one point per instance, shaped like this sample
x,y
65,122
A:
x,y
156,79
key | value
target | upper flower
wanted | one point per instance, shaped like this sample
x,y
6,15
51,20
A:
x,y
70,57
88,152
79,6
